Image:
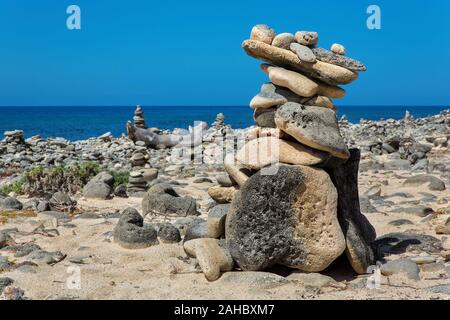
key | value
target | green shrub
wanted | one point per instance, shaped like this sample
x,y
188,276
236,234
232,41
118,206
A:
x,y
120,177
16,187
40,181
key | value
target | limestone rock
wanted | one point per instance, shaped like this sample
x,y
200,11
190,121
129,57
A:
x,y
359,233
283,40
262,152
307,38
294,81
216,220
338,60
312,126
263,33
221,194
326,72
237,172
212,258
258,132
287,218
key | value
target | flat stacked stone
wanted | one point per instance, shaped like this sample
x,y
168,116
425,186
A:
x,y
138,118
295,204
139,179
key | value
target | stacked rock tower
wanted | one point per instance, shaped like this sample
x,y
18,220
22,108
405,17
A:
x,y
304,212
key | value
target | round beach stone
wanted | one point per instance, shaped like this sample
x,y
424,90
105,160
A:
x,y
262,152
263,33
338,49
96,190
296,82
307,38
315,127
283,40
131,233
163,199
287,218
303,52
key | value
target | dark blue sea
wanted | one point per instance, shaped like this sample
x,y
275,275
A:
x,y
76,123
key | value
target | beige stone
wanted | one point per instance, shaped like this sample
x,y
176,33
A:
x,y
321,101
259,102
222,194
331,91
212,258
283,40
263,33
323,71
259,132
262,152
294,81
338,49
238,173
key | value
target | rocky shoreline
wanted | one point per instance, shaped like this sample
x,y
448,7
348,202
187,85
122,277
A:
x,y
350,210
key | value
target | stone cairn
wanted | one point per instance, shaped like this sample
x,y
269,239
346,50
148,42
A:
x,y
138,118
296,199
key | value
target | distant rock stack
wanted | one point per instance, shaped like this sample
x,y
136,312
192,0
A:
x,y
138,118
297,203
15,136
219,122
141,173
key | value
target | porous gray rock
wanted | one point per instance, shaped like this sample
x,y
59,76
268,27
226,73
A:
x,y
167,233
307,38
359,233
265,117
10,204
400,242
216,220
163,199
338,60
131,233
313,126
287,218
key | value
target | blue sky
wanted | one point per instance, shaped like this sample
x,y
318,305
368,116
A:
x,y
188,52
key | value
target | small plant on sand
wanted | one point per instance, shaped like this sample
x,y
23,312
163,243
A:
x,y
16,187
40,181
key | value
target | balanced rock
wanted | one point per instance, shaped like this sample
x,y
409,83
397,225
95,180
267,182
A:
x,y
131,233
338,49
272,95
211,256
338,60
138,118
237,172
359,233
303,52
283,40
263,33
312,126
287,218
258,132
294,81
265,117
307,38
326,72
262,152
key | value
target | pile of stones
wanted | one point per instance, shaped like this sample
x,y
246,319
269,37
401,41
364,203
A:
x,y
296,201
138,118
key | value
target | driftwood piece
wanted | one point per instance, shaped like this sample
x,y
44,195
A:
x,y
359,233
152,139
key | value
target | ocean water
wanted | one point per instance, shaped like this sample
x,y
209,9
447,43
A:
x,y
76,123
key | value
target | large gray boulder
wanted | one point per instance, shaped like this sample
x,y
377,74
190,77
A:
x,y
10,204
99,187
131,233
163,199
287,218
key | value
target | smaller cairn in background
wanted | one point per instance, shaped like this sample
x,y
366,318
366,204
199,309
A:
x,y
138,118
15,136
219,123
